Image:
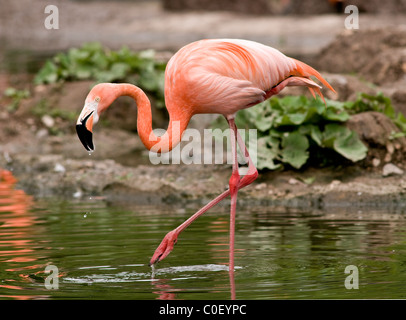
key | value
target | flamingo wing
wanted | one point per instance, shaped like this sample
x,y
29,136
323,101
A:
x,y
226,75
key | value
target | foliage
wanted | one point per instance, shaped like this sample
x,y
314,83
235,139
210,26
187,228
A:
x,y
93,62
295,130
42,108
16,96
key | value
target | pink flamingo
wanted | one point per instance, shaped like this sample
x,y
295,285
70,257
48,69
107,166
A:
x,y
208,76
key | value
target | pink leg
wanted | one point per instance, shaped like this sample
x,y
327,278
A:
x,y
168,242
233,183
171,237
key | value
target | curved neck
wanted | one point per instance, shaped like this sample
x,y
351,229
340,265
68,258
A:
x,y
178,121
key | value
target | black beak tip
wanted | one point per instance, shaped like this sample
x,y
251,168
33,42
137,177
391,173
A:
x,y
85,136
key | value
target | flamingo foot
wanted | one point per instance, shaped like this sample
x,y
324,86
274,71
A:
x,y
165,247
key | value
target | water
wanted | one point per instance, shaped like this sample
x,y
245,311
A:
x,y
102,251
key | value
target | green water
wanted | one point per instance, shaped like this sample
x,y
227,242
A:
x,y
102,252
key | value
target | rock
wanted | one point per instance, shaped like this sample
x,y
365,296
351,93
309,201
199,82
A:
x,y
374,128
41,133
334,184
48,121
294,181
59,168
390,147
78,194
40,88
376,162
260,186
390,169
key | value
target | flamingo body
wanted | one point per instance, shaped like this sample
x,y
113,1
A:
x,y
209,76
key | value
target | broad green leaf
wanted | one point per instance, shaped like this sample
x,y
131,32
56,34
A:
x,y
119,69
273,105
78,54
335,115
264,123
294,149
334,104
312,115
291,119
83,72
48,73
332,132
316,135
100,60
305,129
350,147
148,82
92,61
62,60
266,155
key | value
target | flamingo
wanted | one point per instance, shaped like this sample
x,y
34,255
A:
x,y
220,76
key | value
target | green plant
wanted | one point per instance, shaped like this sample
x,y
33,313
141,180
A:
x,y
43,108
94,62
16,96
293,130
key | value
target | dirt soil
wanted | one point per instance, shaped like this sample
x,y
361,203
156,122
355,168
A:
x,y
48,159
376,55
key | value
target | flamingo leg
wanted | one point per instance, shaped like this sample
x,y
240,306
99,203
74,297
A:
x,y
170,239
233,183
233,187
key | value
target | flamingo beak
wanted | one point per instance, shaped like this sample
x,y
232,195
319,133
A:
x,y
84,128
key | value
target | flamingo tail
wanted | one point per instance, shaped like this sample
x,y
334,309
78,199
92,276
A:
x,y
304,70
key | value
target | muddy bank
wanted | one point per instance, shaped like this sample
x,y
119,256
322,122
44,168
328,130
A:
x,y
47,176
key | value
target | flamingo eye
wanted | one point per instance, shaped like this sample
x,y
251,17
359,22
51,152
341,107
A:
x,y
97,99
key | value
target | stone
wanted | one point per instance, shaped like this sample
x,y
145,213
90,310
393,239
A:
x,y
390,169
59,168
48,121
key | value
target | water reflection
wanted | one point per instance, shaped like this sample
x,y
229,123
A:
x,y
162,278
16,230
164,290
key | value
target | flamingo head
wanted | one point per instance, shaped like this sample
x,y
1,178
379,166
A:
x,y
99,99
